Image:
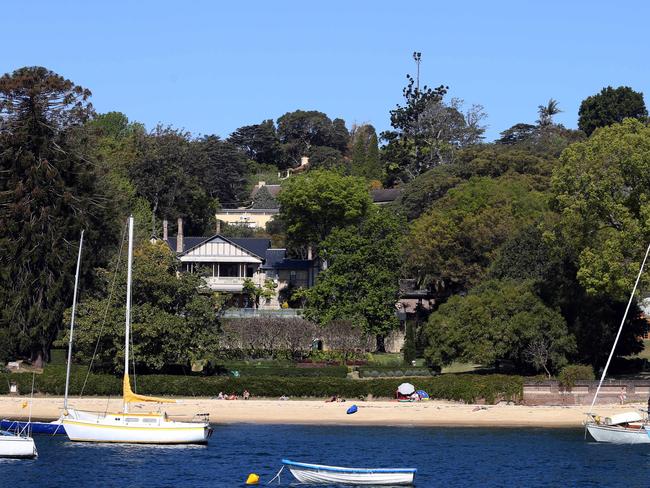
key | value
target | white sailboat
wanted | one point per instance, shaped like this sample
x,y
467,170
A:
x,y
126,426
627,427
15,445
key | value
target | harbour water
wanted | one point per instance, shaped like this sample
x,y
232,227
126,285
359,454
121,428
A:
x,y
446,457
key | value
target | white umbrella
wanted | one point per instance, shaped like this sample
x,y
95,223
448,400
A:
x,y
406,389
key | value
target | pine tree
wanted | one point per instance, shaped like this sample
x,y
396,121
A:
x,y
48,194
373,164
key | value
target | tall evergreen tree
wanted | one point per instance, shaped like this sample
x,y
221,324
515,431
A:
x,y
48,194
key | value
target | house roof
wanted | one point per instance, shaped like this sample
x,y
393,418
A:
x,y
188,242
385,195
256,246
273,256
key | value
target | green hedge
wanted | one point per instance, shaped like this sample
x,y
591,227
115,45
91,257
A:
x,y
392,371
327,371
462,387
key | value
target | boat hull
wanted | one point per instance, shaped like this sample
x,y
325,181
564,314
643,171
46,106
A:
x,y
334,475
12,446
50,428
133,429
616,434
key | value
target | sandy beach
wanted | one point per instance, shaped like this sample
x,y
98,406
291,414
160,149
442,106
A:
x,y
432,413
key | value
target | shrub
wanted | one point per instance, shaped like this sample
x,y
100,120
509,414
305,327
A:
x,y
463,387
574,372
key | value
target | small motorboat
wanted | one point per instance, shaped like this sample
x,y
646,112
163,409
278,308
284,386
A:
x,y
50,428
327,475
14,445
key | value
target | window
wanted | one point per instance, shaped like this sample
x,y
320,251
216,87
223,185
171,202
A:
x,y
132,419
229,269
149,421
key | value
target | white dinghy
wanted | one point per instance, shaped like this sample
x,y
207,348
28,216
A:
x,y
126,426
14,445
318,474
627,427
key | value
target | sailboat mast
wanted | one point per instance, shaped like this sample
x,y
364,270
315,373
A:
x,y
128,307
74,308
618,334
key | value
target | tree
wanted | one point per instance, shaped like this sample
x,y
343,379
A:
x,y
451,246
361,282
499,320
49,192
328,158
403,153
547,112
602,191
220,169
301,130
160,175
313,204
517,133
365,153
610,106
260,143
172,324
264,199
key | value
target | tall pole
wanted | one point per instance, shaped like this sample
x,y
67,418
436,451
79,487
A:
x,y
128,307
74,308
618,334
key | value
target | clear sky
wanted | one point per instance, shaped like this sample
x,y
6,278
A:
x,y
210,67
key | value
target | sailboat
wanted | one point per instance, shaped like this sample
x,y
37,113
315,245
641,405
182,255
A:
x,y
127,426
627,427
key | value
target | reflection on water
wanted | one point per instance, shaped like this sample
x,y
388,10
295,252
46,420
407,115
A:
x,y
452,457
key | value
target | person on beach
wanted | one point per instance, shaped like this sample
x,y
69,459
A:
x,y
220,396
246,395
622,396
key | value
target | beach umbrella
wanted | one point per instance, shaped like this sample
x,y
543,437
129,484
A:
x,y
406,389
352,409
422,394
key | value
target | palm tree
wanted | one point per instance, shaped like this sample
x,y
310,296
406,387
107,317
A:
x,y
546,112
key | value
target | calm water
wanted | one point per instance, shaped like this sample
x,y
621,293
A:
x,y
458,457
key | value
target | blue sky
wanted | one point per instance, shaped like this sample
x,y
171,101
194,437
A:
x,y
210,67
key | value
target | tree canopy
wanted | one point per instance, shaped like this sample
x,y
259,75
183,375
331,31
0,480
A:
x,y
361,282
499,320
314,204
171,323
451,246
49,193
602,192
610,106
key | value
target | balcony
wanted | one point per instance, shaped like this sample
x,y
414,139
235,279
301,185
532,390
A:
x,y
247,313
225,283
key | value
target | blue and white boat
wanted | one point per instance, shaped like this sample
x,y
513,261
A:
x,y
51,428
319,474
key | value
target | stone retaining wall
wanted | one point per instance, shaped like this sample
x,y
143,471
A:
x,y
551,393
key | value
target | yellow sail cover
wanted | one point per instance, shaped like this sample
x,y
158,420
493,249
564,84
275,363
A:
x,y
129,396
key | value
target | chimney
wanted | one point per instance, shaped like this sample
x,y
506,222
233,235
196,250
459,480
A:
x,y
304,161
179,237
218,226
165,234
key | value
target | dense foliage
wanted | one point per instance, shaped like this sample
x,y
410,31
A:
x,y
49,192
171,323
610,106
466,388
533,241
